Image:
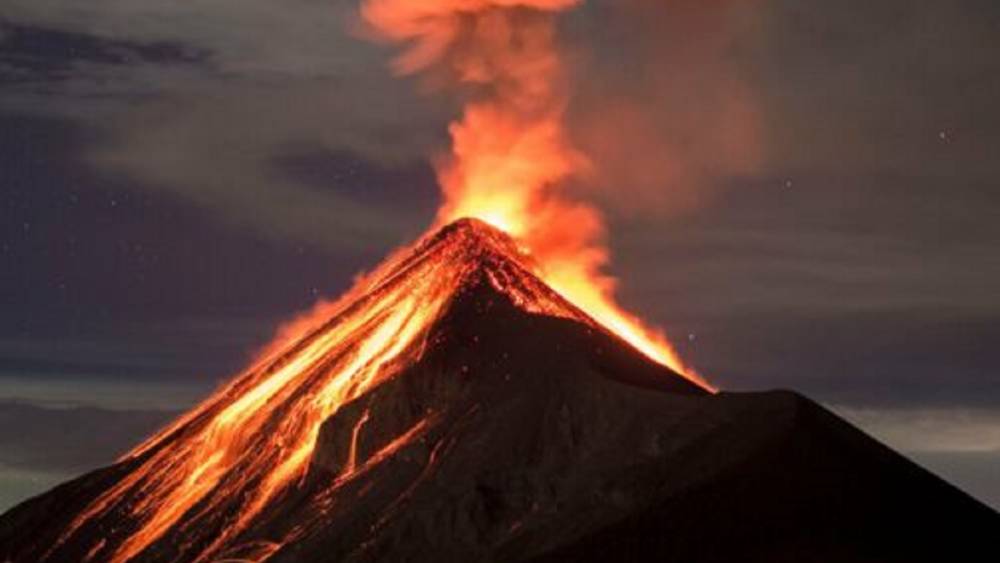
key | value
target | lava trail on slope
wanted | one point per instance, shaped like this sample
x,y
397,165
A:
x,y
213,474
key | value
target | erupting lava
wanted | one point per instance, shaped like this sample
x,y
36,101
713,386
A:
x,y
511,156
254,439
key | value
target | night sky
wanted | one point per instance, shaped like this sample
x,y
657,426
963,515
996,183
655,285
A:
x,y
176,178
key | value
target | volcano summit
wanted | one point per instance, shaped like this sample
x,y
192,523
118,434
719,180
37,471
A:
x,y
453,407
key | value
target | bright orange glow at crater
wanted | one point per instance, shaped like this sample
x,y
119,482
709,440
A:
x,y
511,161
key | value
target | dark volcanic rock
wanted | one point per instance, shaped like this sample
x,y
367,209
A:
x,y
521,437
543,449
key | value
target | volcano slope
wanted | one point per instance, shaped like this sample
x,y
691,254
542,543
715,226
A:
x,y
513,428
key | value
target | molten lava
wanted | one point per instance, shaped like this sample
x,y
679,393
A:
x,y
512,160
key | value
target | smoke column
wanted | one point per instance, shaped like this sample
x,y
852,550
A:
x,y
511,156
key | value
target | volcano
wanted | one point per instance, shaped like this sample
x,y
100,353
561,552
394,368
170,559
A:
x,y
453,407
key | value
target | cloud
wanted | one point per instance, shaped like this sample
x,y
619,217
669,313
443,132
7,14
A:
x,y
822,246
274,79
930,430
303,37
219,148
961,445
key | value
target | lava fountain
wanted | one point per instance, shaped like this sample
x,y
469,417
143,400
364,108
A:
x,y
511,157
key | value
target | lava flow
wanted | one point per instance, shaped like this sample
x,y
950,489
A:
x,y
255,438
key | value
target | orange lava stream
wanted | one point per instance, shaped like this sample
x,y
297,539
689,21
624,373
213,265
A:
x,y
256,436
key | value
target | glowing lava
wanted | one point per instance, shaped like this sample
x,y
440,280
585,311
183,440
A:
x,y
511,160
254,439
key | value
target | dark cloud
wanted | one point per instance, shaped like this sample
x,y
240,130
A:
x,y
86,245
46,55
824,244
179,109
217,148
247,37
